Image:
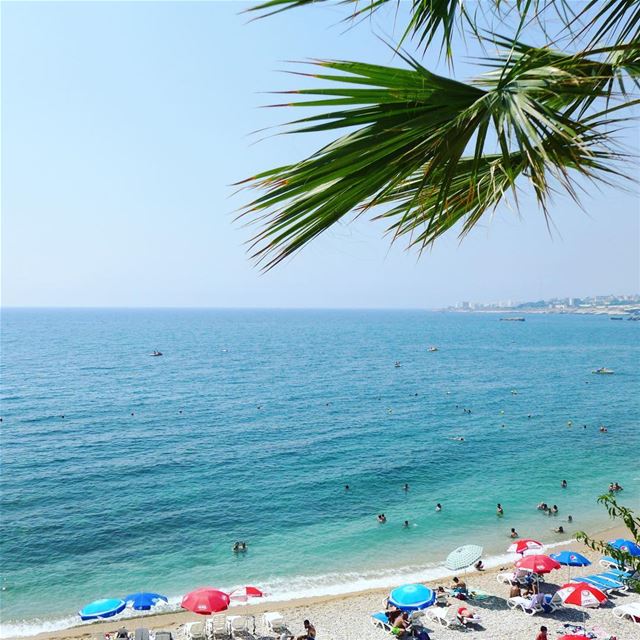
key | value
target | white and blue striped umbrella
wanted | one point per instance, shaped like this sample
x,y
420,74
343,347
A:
x,y
463,557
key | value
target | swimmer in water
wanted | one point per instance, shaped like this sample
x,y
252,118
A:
x,y
569,518
346,487
406,486
406,524
560,529
564,484
438,507
555,508
499,510
514,533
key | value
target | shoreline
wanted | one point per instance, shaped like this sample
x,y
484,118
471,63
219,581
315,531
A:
x,y
171,620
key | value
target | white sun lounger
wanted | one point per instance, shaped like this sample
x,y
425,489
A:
x,y
444,616
237,624
274,621
526,604
195,631
216,627
629,611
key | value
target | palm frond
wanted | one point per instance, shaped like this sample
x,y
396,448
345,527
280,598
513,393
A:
x,y
436,149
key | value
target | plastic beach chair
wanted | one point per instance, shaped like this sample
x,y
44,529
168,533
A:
x,y
381,621
529,606
164,635
444,616
604,584
274,621
629,611
237,624
195,631
216,627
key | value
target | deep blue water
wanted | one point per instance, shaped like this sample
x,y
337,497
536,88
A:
x,y
252,422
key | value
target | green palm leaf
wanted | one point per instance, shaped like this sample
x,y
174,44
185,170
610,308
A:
x,y
434,150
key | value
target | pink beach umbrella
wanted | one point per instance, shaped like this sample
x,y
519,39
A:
x,y
525,544
537,564
244,593
205,600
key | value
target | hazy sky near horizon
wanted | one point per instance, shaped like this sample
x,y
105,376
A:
x,y
124,125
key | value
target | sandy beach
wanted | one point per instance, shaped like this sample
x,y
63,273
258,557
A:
x,y
347,616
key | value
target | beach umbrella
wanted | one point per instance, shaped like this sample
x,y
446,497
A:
x,y
411,597
463,557
628,546
144,600
525,544
571,559
205,600
580,594
102,608
244,593
537,564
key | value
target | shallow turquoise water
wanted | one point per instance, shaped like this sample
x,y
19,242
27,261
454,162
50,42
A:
x,y
253,421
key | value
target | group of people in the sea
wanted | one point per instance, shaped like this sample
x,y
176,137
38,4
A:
x,y
614,487
240,546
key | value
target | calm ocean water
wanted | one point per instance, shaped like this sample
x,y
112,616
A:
x,y
125,472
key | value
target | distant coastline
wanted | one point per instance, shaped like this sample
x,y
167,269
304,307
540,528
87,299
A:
x,y
589,311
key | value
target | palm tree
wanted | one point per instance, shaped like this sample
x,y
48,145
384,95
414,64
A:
x,y
427,153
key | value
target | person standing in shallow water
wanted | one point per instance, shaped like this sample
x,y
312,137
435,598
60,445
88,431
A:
x,y
438,507
499,510
514,533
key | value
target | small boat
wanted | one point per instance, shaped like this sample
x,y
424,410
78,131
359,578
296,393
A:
x,y
156,354
512,319
397,364
432,349
615,318
603,371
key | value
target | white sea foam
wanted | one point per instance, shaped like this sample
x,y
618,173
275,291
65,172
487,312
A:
x,y
284,589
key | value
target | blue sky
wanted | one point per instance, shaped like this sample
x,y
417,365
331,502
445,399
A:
x,y
124,125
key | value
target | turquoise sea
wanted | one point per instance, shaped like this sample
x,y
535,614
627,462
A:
x,y
124,472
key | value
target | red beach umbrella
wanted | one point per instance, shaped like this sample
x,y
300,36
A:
x,y
525,544
243,593
580,594
537,564
205,600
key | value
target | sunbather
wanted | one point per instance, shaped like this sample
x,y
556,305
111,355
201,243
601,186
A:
x,y
466,616
459,589
542,635
310,631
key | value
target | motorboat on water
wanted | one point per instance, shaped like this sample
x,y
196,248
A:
x,y
519,319
397,364
603,371
432,349
156,353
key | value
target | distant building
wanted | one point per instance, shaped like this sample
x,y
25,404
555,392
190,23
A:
x,y
466,306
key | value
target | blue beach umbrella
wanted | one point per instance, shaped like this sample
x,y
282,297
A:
x,y
102,609
628,546
144,600
411,597
571,559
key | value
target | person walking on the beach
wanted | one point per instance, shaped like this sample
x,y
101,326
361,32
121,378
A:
x,y
514,533
310,631
542,634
